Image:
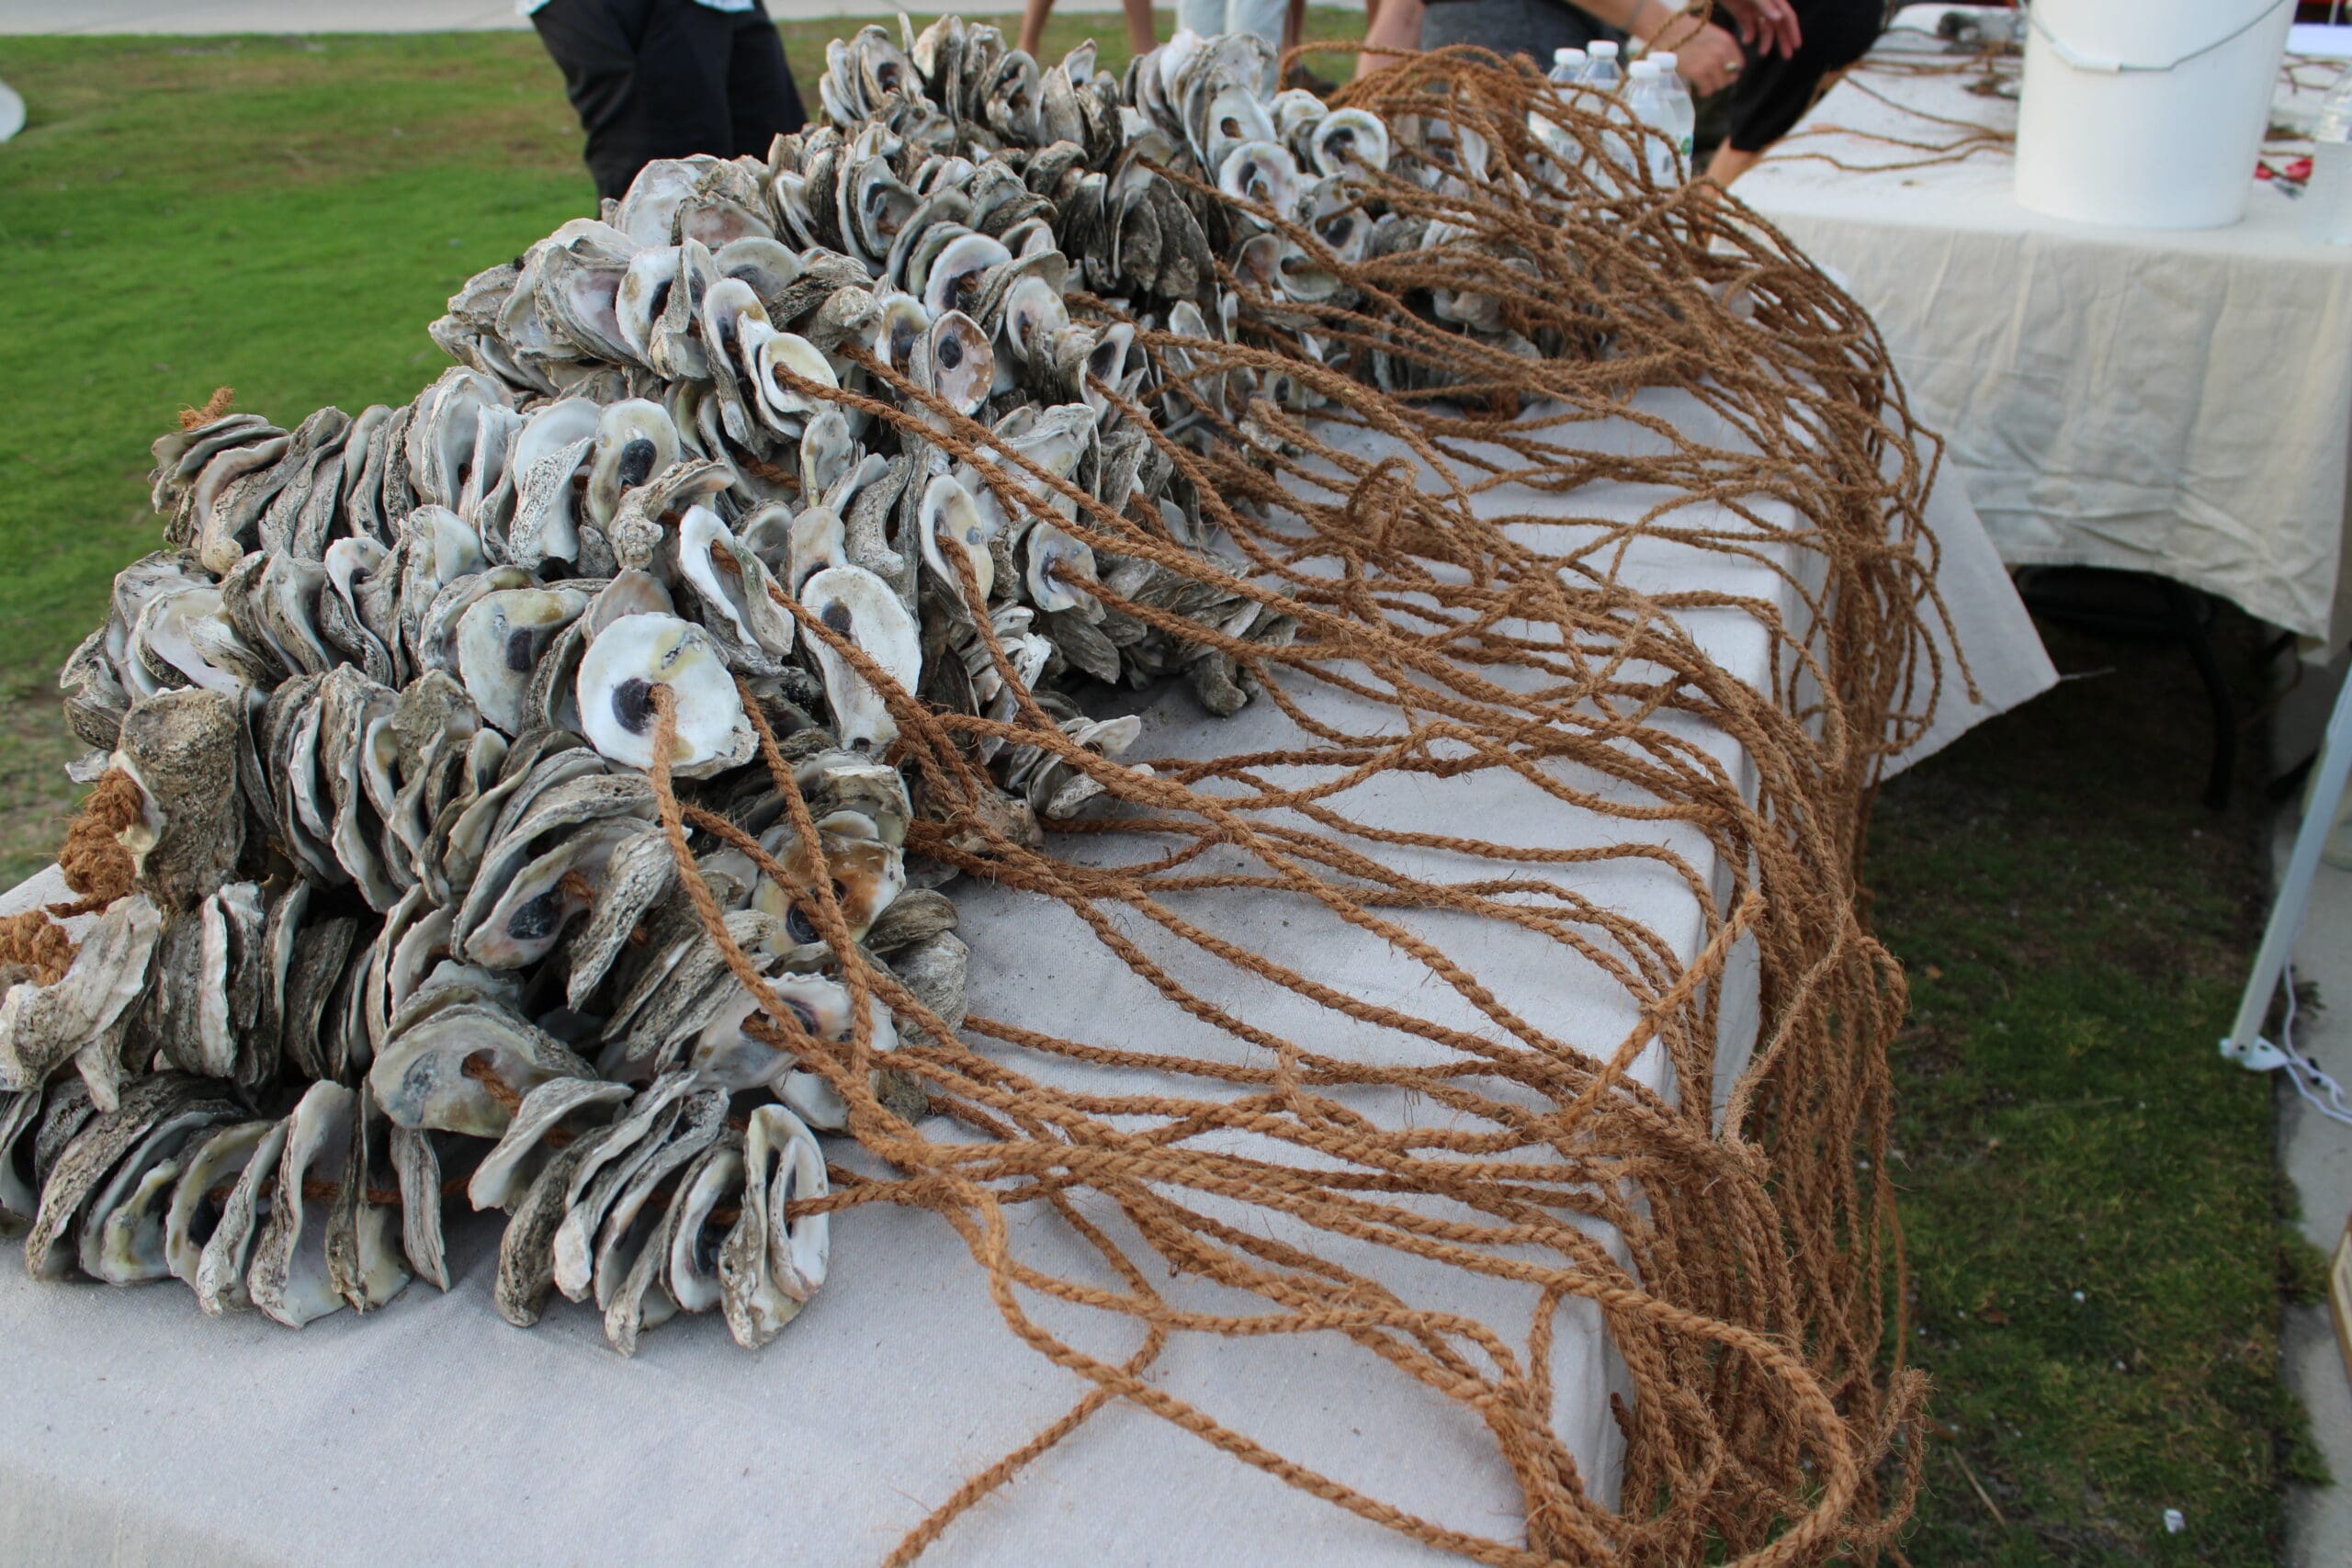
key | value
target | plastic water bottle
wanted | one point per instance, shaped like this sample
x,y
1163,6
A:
x,y
1567,152
1645,101
1601,71
2327,199
1683,114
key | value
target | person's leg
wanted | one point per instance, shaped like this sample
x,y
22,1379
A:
x,y
1142,29
681,76
1729,163
595,43
1032,26
761,101
1206,17
1263,17
1773,92
1285,25
1392,32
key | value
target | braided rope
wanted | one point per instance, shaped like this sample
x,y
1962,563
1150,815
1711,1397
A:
x,y
1750,1305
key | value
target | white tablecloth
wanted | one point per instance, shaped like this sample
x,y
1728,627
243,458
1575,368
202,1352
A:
x,y
2173,402
138,1431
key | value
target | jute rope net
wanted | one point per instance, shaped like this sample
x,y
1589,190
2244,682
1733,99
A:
x,y
1765,1425
1937,139
1995,73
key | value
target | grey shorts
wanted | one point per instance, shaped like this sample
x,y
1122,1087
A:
x,y
1531,27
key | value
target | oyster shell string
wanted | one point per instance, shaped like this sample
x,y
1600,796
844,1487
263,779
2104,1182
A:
x,y
990,1241
897,1156
618,694
678,850
1612,271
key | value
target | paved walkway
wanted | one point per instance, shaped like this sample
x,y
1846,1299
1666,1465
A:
x,y
393,16
255,15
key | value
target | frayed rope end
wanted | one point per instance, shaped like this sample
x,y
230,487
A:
x,y
215,407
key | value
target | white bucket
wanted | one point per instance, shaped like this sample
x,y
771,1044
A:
x,y
2146,113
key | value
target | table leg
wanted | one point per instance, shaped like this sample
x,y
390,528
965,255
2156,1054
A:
x,y
2193,624
2244,1042
2142,606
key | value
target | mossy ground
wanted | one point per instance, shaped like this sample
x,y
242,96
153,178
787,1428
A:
x,y
2091,1208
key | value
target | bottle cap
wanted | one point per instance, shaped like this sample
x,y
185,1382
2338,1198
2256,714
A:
x,y
1601,49
1566,54
1642,69
1666,59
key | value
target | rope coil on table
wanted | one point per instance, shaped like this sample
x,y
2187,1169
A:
x,y
1765,1425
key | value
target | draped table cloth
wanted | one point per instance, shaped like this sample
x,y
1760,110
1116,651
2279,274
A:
x,y
139,1431
2170,402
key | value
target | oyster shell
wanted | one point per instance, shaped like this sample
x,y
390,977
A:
x,y
618,674
649,1294
771,1265
635,440
698,1234
416,1166
181,748
506,1172
502,637
121,1239
51,1246
211,1162
463,1066
391,693
525,1257
364,1259
289,1279
861,609
735,591
632,1220
43,1026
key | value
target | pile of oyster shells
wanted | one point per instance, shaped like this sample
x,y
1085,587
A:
x,y
405,925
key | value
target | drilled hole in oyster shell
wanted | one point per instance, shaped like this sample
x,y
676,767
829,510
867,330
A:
x,y
618,674
962,366
859,606
950,518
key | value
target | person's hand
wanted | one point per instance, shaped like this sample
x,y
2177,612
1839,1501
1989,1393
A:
x,y
1709,60
1769,25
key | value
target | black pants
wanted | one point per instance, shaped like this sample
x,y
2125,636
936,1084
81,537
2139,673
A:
x,y
1531,27
1772,92
666,78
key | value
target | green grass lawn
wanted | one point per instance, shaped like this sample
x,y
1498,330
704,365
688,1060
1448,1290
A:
x,y
2090,1203
283,216
2092,1210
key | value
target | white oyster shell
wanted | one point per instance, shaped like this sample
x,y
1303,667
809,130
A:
x,y
638,653
769,1266
858,605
